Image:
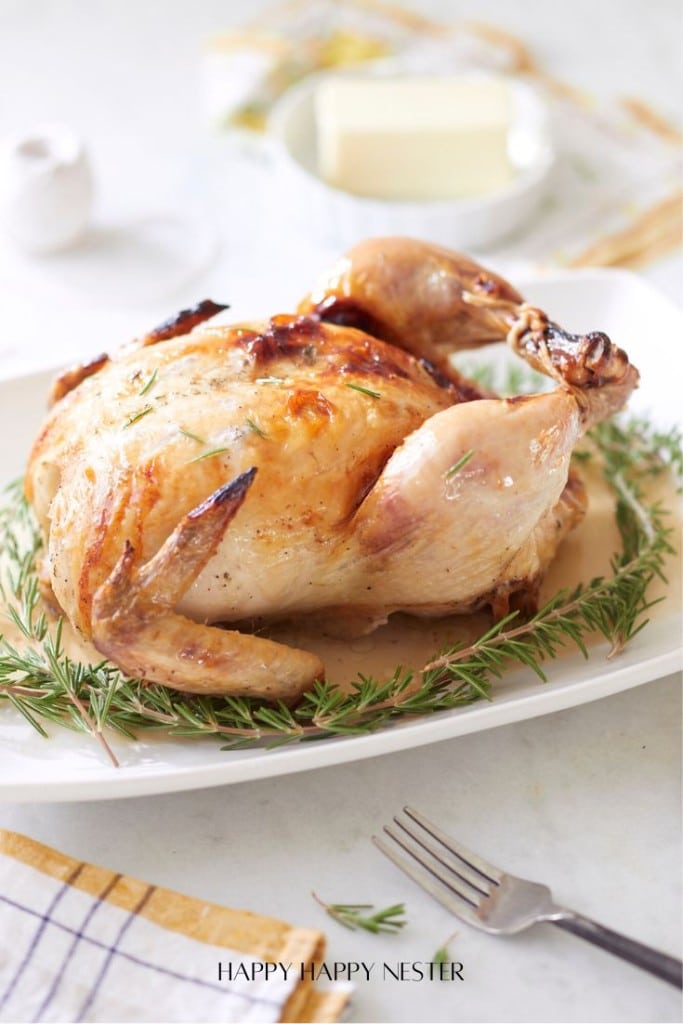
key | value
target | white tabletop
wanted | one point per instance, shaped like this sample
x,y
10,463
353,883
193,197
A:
x,y
586,799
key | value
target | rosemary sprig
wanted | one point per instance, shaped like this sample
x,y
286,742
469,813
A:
x,y
351,916
624,441
43,684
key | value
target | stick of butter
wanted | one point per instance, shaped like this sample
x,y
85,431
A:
x,y
414,138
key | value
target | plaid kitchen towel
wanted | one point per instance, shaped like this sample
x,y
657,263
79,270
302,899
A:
x,y
82,943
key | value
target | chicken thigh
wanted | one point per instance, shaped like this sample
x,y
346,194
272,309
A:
x,y
329,463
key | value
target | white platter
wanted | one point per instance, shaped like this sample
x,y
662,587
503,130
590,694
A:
x,y
70,766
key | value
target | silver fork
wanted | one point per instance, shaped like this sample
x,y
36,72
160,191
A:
x,y
496,902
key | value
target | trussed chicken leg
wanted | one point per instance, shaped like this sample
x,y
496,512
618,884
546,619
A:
x,y
433,302
496,521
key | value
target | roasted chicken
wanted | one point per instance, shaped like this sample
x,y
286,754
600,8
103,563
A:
x,y
329,464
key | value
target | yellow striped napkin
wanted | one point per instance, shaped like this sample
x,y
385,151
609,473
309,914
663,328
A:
x,y
82,943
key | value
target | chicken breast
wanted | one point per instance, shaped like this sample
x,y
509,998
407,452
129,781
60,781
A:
x,y
309,468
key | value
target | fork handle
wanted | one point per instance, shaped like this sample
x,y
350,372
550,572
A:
x,y
665,967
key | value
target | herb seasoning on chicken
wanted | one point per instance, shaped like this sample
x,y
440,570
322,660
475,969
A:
x,y
329,463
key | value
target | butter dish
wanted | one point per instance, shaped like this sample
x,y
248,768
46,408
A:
x,y
472,221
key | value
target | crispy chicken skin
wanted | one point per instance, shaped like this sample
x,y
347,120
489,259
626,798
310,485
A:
x,y
302,467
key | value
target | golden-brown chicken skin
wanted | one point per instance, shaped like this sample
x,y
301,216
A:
x,y
301,467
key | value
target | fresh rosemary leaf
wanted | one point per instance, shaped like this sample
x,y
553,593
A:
x,y
192,437
137,416
209,455
443,954
150,384
256,429
25,708
459,464
363,391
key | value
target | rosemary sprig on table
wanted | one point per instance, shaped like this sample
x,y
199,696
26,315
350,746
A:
x,y
352,916
443,953
42,683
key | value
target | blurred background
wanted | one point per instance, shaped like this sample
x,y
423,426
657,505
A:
x,y
191,196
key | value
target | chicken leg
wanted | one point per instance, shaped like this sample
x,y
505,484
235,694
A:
x,y
482,492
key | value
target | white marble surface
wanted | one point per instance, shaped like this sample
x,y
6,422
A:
x,y
587,800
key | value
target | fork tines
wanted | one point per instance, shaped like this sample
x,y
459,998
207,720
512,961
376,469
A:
x,y
463,879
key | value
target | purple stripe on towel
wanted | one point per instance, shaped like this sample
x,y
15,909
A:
x,y
57,980
44,920
139,962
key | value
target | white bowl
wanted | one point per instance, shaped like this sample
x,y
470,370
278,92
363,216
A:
x,y
470,223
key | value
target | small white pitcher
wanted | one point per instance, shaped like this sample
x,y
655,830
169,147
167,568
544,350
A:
x,y
46,189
